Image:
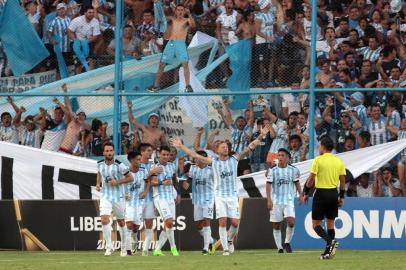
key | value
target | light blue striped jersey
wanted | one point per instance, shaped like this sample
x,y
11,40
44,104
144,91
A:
x,y
401,136
267,25
166,192
225,177
240,138
394,121
137,186
147,167
378,131
281,140
116,170
283,184
59,28
202,185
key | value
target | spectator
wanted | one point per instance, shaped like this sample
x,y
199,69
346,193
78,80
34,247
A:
x,y
58,33
364,188
131,44
367,75
386,185
9,126
364,139
265,21
377,125
31,135
33,14
98,137
83,146
372,51
146,25
149,45
345,79
129,141
151,133
295,149
280,136
56,127
258,156
84,30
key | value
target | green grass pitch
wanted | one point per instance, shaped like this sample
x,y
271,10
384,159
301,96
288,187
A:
x,y
252,259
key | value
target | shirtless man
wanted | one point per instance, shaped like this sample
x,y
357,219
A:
x,y
246,29
176,46
151,134
75,126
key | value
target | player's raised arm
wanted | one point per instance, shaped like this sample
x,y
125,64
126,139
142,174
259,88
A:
x,y
253,144
179,145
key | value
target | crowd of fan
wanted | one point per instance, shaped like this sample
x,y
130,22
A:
x,y
360,44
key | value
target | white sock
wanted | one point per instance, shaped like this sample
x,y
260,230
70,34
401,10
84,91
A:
x,y
289,234
206,237
148,239
278,238
171,237
201,231
210,237
223,238
107,236
128,240
161,241
123,237
232,231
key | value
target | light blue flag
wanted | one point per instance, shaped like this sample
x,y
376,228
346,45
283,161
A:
x,y
240,55
22,45
160,23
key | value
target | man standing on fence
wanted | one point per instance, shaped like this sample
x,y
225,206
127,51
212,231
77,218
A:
x,y
176,49
326,173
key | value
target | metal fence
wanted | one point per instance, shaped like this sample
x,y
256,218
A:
x,y
281,78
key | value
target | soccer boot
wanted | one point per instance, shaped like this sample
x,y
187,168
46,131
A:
x,y
158,253
174,251
288,248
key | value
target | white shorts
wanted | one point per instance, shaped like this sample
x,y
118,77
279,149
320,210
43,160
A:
x,y
166,209
201,212
148,211
116,208
134,214
279,212
227,207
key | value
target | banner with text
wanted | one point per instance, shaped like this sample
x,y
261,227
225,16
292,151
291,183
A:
x,y
26,82
378,223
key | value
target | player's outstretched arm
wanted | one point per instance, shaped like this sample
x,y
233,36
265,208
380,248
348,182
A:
x,y
179,145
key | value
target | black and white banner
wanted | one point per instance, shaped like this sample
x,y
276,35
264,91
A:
x,y
34,174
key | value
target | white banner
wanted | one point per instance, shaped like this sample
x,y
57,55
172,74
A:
x,y
29,173
365,160
26,82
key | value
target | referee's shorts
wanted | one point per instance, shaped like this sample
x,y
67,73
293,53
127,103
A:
x,y
325,204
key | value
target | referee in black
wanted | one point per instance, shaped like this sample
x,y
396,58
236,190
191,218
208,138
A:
x,y
326,173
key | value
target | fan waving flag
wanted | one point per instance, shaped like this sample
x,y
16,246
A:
x,y
22,45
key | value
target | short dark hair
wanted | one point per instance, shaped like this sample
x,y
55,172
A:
x,y
4,115
387,168
346,71
148,10
294,113
124,124
343,19
96,124
327,143
365,135
349,137
375,105
133,155
86,8
295,137
285,151
107,144
202,153
164,148
143,147
388,49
